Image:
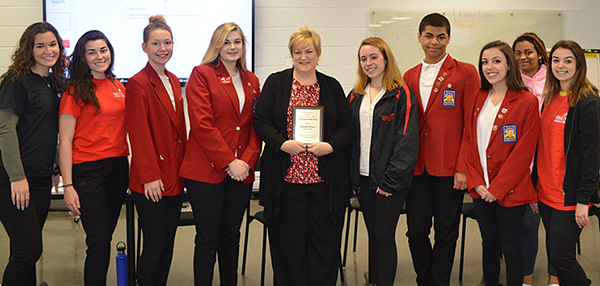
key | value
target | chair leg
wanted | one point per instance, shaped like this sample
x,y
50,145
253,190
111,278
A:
x,y
342,279
355,230
347,235
462,247
139,240
578,246
264,254
249,219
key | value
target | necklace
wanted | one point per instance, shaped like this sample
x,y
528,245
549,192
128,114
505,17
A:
x,y
556,111
47,83
496,102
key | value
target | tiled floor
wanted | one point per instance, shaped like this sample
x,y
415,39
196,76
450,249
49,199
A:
x,y
64,254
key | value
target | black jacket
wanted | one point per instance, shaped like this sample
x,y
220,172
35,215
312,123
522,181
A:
x,y
270,123
582,151
394,140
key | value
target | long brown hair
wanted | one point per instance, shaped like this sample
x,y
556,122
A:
x,y
392,76
81,75
580,86
217,42
23,60
514,81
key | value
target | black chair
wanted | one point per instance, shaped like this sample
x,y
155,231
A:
x,y
354,206
259,216
468,211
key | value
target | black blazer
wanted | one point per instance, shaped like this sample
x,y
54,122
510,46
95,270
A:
x,y
270,123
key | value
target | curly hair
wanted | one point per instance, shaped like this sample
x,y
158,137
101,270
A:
x,y
81,75
23,60
540,48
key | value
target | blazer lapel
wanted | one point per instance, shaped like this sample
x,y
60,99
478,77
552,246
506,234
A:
x,y
250,94
226,81
438,83
504,111
163,96
417,92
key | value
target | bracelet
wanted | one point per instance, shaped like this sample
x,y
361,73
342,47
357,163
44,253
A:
x,y
67,185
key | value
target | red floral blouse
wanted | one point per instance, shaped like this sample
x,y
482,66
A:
x,y
305,166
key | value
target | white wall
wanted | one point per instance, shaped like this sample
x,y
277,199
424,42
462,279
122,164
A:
x,y
342,24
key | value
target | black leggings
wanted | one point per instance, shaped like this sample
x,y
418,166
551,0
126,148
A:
x,y
24,229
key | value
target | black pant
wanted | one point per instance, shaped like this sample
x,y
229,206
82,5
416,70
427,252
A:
x,y
305,243
381,217
102,187
433,197
501,229
529,242
24,228
562,234
159,222
218,213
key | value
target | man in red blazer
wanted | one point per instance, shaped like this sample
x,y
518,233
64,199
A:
x,y
442,85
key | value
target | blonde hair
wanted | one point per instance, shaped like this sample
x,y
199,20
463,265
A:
x,y
392,76
156,22
218,41
303,37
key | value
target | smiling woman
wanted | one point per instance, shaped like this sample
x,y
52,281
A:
x,y
305,185
28,130
157,134
219,162
93,148
501,131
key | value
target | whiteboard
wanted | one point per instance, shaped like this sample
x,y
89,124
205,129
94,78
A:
x,y
593,67
470,30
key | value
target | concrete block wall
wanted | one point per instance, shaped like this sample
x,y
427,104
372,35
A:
x,y
342,24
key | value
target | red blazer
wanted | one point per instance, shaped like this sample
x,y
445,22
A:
x,y
508,156
218,129
157,132
441,125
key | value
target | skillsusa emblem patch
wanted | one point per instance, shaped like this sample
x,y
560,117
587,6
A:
x,y
509,133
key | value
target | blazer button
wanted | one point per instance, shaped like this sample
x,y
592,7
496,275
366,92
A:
x,y
489,157
237,128
239,147
489,171
426,134
511,191
213,165
179,141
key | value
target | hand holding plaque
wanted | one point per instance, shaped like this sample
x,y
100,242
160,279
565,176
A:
x,y
307,124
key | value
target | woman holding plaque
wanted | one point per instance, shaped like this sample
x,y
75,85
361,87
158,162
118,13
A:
x,y
568,158
304,185
383,151
501,131
221,153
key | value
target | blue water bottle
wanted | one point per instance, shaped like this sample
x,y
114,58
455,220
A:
x,y
121,264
